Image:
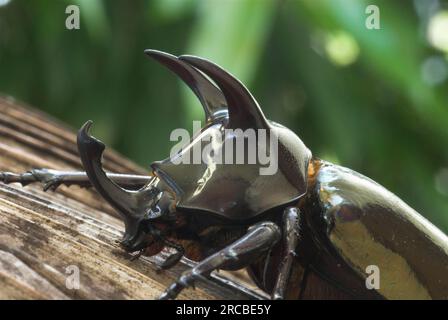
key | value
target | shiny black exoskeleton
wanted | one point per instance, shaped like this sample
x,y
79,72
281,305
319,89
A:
x,y
309,230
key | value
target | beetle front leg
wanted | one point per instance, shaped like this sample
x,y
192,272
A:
x,y
52,179
291,238
258,240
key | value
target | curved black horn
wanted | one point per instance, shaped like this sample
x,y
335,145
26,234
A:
x,y
244,111
208,94
128,203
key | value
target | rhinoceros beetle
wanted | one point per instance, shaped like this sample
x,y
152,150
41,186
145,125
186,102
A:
x,y
309,230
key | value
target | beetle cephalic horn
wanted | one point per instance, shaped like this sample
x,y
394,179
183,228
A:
x,y
244,111
130,204
208,94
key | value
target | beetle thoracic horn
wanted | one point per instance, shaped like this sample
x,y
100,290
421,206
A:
x,y
244,111
127,202
208,94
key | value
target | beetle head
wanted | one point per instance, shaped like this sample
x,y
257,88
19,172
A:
x,y
234,191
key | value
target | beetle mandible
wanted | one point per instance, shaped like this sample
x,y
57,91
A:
x,y
309,230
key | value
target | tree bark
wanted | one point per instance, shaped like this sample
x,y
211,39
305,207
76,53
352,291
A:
x,y
46,236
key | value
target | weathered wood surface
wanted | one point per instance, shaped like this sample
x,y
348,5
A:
x,y
43,233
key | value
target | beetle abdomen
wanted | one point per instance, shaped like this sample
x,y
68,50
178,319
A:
x,y
367,225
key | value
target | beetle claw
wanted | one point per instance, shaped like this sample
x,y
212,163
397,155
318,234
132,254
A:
x,y
172,292
171,261
50,179
138,255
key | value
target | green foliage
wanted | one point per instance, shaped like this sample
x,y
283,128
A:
x,y
356,96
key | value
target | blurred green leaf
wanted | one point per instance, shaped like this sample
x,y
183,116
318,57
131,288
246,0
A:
x,y
232,34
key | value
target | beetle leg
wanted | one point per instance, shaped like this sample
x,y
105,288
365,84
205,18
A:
x,y
258,240
291,237
174,258
52,179
137,255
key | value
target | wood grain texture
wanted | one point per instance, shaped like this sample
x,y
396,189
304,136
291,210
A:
x,y
43,233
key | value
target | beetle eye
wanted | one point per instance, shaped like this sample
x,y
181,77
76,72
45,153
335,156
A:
x,y
162,206
154,212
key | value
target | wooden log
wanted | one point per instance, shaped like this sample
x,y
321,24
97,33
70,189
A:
x,y
46,236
